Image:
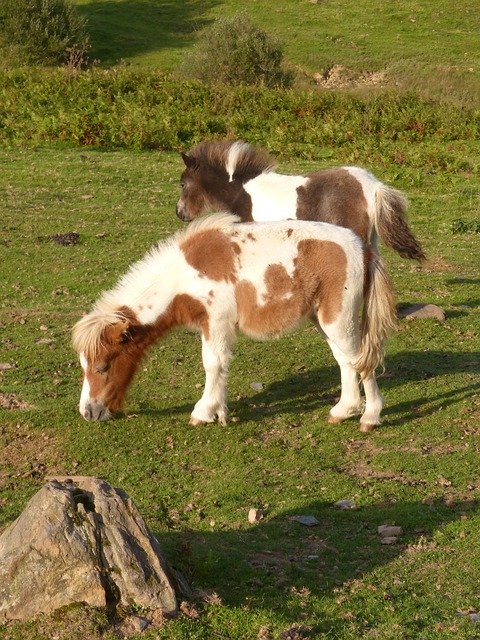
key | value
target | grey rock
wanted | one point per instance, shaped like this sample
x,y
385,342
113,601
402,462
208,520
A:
x,y
389,540
131,626
422,311
308,521
79,540
345,504
255,515
388,530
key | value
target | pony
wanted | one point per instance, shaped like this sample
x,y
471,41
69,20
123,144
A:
x,y
225,175
220,276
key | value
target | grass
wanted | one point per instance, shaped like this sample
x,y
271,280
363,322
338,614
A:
x,y
275,579
422,46
195,486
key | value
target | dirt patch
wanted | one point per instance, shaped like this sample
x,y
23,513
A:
x,y
361,469
338,76
27,453
12,402
271,561
438,265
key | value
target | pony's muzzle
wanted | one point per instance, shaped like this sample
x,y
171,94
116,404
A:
x,y
95,411
181,213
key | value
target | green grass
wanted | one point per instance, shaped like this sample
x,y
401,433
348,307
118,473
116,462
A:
x,y
424,46
195,485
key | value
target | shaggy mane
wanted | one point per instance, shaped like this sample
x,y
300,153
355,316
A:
x,y
237,158
87,333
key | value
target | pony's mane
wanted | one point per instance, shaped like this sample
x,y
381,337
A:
x,y
88,331
239,159
223,221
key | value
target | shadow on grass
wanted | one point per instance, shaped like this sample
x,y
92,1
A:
x,y
270,564
315,389
123,29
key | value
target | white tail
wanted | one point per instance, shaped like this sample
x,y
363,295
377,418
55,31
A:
x,y
379,317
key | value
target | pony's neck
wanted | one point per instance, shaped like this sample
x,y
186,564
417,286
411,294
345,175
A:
x,y
242,205
183,311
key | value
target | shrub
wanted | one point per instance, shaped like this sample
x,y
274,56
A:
x,y
234,51
41,31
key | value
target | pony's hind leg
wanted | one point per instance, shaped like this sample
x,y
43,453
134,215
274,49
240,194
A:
x,y
213,403
373,404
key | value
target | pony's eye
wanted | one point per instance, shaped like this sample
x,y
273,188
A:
x,y
102,368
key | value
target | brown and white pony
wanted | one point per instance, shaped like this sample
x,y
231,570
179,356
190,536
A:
x,y
262,279
225,175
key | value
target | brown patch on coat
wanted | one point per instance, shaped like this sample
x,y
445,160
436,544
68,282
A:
x,y
322,267
273,318
212,254
336,197
123,345
316,286
277,282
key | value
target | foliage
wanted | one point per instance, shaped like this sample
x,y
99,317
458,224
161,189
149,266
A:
x,y
42,31
465,226
234,51
125,108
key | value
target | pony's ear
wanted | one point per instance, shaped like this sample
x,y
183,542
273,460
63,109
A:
x,y
189,161
119,332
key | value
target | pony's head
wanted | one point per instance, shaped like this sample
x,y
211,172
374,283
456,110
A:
x,y
110,353
214,174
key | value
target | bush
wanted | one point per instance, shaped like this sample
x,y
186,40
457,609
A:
x,y
234,51
129,108
41,31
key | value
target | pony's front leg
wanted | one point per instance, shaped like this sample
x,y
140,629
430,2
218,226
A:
x,y
350,403
213,403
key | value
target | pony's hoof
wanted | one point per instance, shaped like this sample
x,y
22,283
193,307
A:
x,y
335,419
365,427
195,422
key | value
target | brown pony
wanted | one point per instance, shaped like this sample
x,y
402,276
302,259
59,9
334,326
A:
x,y
262,279
233,176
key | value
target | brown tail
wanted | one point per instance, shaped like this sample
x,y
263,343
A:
x,y
392,225
379,316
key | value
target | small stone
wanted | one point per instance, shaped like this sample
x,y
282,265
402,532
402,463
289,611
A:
x,y
43,327
422,311
387,530
389,540
345,504
256,386
254,515
132,626
4,366
308,521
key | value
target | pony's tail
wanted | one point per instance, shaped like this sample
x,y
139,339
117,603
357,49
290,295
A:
x,y
391,223
379,317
